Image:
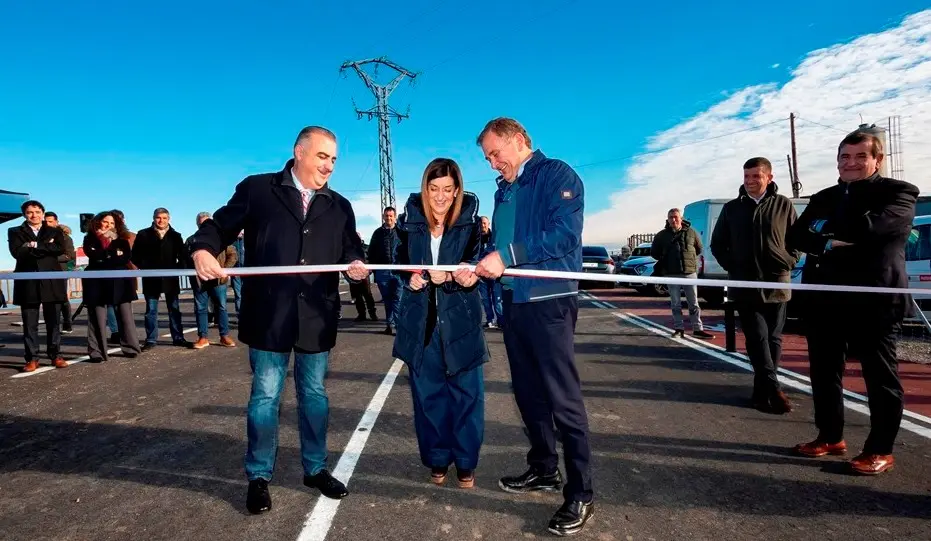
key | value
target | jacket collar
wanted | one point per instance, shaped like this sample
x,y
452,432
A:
x,y
868,180
771,190
535,160
685,225
414,213
283,187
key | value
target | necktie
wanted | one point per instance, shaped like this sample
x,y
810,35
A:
x,y
305,200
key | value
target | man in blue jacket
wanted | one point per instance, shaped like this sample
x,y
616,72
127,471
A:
x,y
537,224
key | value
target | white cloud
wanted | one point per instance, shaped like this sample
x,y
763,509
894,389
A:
x,y
876,75
367,207
776,65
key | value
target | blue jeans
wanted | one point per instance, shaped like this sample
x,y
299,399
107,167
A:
x,y
236,282
490,291
390,286
111,320
202,299
151,319
269,370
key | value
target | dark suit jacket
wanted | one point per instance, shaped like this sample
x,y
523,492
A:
x,y
282,312
875,214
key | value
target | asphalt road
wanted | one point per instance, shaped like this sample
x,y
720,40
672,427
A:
x,y
152,448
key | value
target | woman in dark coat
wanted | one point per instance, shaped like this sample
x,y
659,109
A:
x,y
439,333
107,247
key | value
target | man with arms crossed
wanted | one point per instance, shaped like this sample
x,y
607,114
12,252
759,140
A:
x,y
537,224
855,234
749,242
288,218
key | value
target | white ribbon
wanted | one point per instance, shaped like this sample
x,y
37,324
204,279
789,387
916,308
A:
x,y
524,273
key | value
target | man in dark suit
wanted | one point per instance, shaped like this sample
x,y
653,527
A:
x,y
36,247
290,217
855,234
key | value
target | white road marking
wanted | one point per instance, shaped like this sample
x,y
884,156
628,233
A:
x,y
318,522
81,359
715,352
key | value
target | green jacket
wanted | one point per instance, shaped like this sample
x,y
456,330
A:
x,y
676,252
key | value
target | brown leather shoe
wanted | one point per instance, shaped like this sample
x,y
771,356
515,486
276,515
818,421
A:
x,y
60,363
31,366
227,342
817,448
865,464
201,343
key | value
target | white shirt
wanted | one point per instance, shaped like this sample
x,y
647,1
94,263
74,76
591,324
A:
x,y
300,187
435,248
756,199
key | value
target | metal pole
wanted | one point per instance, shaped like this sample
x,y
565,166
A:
x,y
795,188
730,325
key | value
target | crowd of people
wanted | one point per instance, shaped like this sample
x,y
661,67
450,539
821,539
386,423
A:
x,y
43,244
853,233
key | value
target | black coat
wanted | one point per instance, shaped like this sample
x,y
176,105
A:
x,y
458,310
749,242
283,312
383,247
43,258
875,215
107,291
152,252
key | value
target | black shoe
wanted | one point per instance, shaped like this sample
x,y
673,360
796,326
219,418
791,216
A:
x,y
571,518
360,317
182,343
258,500
147,346
328,485
372,316
389,330
532,481
114,340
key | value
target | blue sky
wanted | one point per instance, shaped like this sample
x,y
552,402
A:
x,y
171,104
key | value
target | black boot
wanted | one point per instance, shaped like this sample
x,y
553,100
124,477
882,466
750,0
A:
x,y
258,500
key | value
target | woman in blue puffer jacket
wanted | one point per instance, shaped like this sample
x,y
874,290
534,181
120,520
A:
x,y
439,333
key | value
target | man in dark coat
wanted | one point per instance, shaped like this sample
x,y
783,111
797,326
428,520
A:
x,y
160,246
36,248
383,250
749,242
290,217
855,234
66,259
676,249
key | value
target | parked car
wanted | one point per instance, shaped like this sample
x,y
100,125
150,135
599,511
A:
x,y
595,260
640,263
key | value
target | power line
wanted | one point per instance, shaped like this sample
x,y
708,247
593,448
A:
x,y
638,154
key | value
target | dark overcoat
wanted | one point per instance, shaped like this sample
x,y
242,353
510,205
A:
x,y
287,311
50,244
153,252
116,256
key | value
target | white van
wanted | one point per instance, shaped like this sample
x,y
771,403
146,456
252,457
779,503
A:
x,y
703,215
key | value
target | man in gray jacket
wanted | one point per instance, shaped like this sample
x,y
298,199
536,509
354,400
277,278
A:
x,y
749,242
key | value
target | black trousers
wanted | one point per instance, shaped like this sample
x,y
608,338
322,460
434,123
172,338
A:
x,y
66,316
51,312
762,325
873,342
362,296
539,339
